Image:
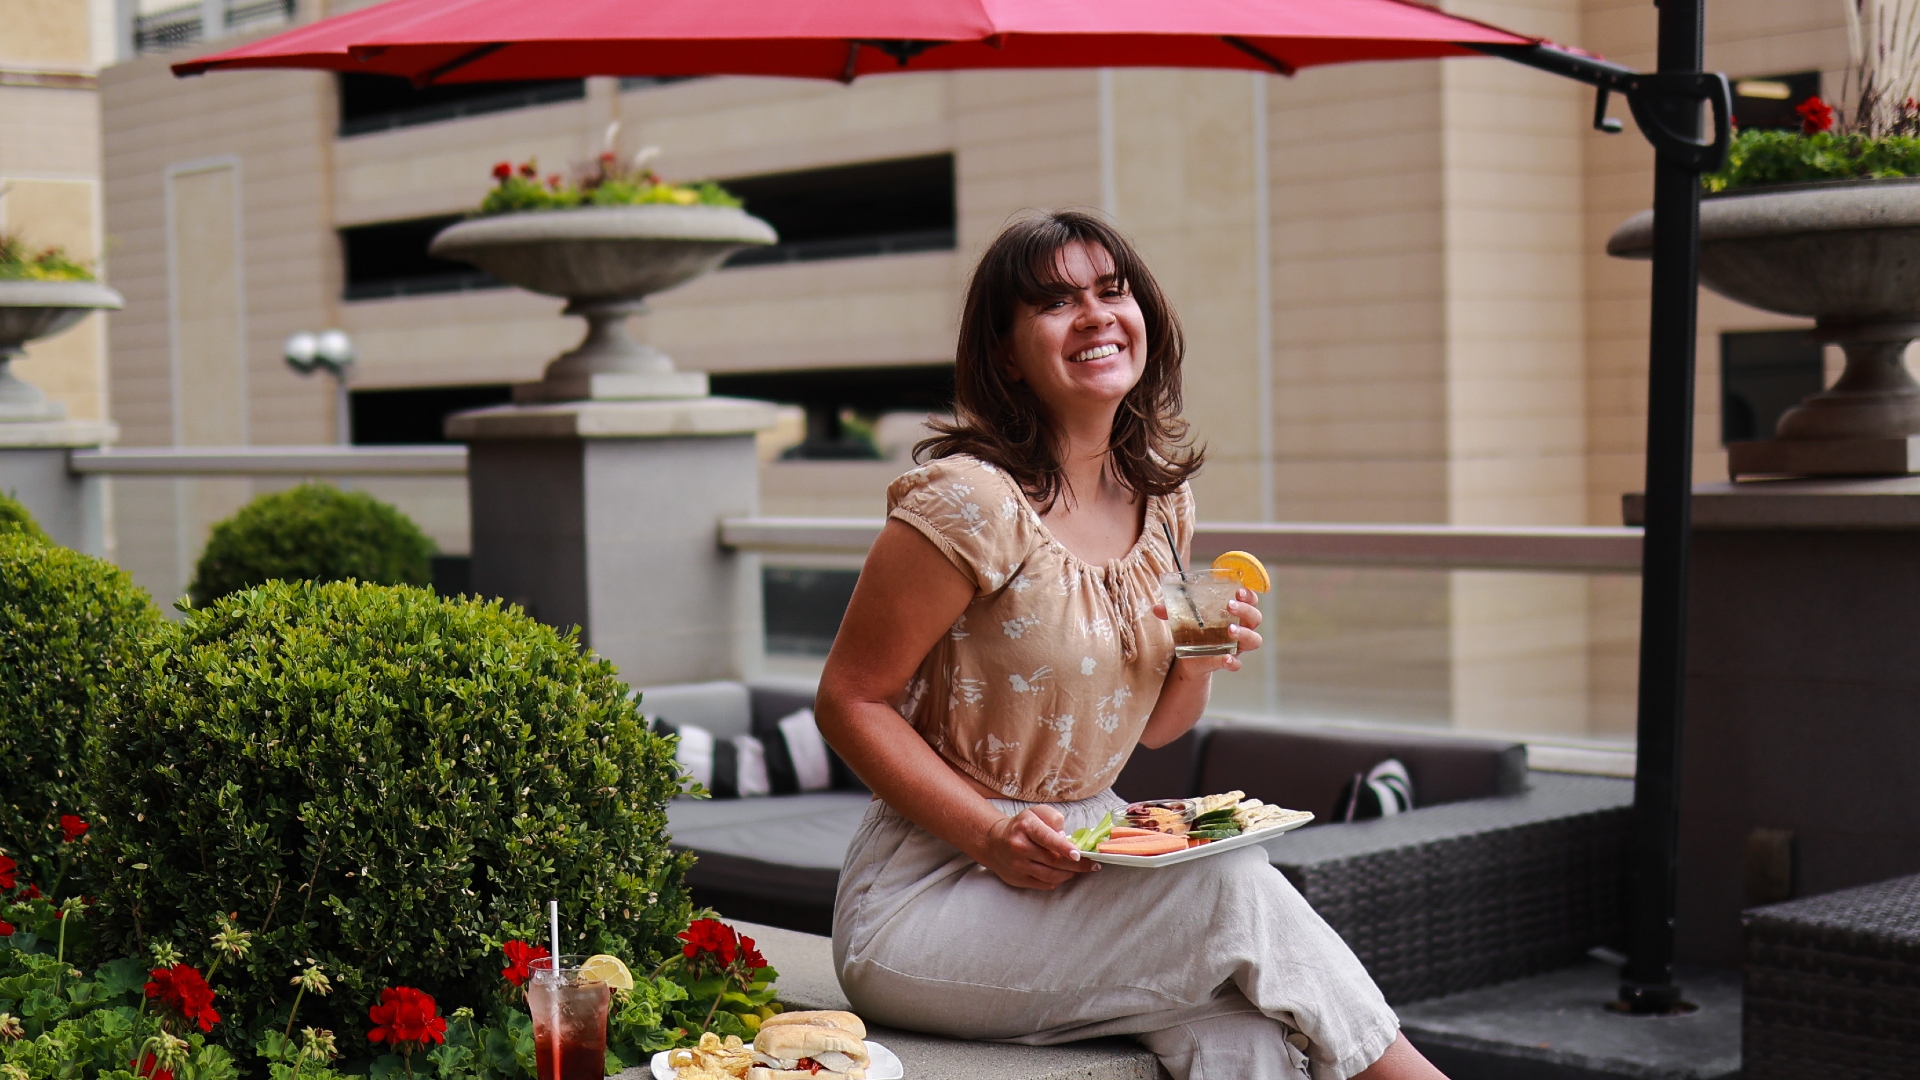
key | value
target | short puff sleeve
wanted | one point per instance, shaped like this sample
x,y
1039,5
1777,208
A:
x,y
972,512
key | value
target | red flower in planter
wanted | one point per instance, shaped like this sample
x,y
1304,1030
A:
x,y
182,989
6,928
7,878
749,955
529,170
503,170
32,893
405,1019
148,1067
72,828
710,938
520,956
1815,116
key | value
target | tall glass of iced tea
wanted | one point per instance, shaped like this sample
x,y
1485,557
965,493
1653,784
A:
x,y
569,1019
1197,611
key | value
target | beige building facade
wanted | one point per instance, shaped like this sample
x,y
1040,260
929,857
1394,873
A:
x,y
1391,277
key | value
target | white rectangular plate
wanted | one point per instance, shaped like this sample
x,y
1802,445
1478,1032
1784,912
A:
x,y
1204,850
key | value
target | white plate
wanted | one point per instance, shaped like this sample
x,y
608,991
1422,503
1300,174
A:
x,y
883,1065
1204,850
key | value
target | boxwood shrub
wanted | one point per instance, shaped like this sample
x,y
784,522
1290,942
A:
x,y
389,782
70,629
314,532
15,518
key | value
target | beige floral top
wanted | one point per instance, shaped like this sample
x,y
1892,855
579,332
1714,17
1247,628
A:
x,y
1041,688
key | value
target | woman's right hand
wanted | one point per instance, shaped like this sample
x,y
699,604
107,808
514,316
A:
x,y
1030,850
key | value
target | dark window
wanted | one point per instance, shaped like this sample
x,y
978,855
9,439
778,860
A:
x,y
381,102
1768,101
1763,373
848,211
834,396
415,416
802,607
390,259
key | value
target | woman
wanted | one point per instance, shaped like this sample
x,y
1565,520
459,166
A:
x,y
1001,657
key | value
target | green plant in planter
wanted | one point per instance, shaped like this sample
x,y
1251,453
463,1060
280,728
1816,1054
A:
x,y
607,181
314,532
386,782
15,518
20,262
70,630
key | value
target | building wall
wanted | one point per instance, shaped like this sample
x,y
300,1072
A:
x,y
1391,277
50,176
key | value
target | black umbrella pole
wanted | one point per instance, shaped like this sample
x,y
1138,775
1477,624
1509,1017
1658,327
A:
x,y
1647,983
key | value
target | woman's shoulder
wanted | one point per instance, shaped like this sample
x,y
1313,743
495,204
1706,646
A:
x,y
958,476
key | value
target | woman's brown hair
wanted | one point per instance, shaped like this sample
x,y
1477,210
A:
x,y
1001,422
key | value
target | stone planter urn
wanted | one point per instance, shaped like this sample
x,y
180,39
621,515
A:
x,y
605,260
30,310
1846,254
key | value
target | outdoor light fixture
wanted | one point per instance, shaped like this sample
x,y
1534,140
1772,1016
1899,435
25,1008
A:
x,y
331,350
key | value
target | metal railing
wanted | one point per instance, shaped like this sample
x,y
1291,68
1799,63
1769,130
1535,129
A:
x,y
1569,549
272,461
179,27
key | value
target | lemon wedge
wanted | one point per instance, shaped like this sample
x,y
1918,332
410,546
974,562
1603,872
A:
x,y
1248,568
609,970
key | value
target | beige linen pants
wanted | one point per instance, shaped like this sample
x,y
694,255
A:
x,y
1217,966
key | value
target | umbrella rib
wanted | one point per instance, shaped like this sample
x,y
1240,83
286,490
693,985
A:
x,y
1259,54
457,63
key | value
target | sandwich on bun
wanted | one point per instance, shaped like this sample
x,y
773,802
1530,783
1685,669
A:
x,y
810,1046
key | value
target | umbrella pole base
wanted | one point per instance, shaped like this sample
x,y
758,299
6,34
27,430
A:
x,y
613,386
1891,456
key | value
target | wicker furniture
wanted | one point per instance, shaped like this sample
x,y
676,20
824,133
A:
x,y
1468,894
1833,985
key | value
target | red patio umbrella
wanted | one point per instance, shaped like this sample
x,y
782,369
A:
x,y
432,41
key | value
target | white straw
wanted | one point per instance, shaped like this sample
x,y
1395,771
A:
x,y
553,922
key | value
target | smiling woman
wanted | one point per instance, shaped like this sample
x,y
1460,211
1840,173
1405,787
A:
x,y
1000,660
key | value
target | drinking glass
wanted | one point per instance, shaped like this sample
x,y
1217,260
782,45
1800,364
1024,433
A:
x,y
569,1020
1197,612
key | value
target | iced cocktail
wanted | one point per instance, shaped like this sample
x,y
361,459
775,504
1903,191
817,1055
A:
x,y
569,1010
1197,612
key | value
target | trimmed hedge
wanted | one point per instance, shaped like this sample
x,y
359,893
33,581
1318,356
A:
x,y
389,782
314,532
15,518
70,629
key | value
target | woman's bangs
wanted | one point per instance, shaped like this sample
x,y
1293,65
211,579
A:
x,y
1041,277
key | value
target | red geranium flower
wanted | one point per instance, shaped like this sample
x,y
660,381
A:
x,y
148,1068
32,893
529,170
405,1019
710,938
503,170
749,955
182,989
1815,116
7,878
72,828
6,928
519,956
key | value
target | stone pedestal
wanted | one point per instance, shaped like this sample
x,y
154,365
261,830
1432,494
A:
x,y
33,469
605,515
1802,742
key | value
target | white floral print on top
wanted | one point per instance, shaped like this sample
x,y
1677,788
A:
x,y
1035,658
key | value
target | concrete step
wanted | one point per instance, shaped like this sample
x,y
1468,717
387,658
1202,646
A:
x,y
1557,1027
807,981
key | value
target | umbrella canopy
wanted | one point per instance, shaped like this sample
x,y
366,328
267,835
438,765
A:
x,y
436,41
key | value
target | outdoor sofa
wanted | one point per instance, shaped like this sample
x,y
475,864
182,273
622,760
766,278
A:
x,y
1498,873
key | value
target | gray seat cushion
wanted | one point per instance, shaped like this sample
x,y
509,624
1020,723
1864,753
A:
x,y
723,708
787,848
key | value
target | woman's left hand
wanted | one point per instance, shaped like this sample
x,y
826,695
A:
x,y
1242,608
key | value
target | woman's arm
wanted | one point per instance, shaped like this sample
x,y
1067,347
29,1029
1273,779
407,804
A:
x,y
1183,697
909,595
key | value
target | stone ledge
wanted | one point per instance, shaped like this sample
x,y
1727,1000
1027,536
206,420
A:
x,y
1839,505
807,981
638,419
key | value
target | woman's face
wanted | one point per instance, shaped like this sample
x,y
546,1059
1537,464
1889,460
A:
x,y
1086,350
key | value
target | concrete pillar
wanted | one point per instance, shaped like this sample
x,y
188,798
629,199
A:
x,y
605,515
33,469
1803,687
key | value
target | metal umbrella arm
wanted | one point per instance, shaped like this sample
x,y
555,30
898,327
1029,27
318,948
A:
x,y
1656,99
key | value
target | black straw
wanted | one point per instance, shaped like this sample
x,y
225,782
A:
x,y
1172,548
